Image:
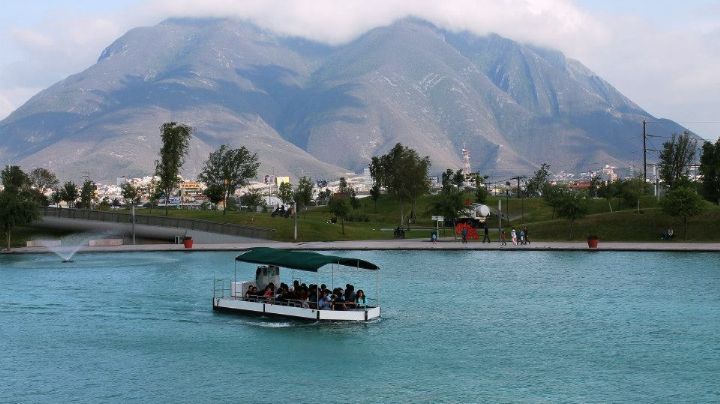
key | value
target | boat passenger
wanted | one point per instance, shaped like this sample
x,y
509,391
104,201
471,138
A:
x,y
325,301
269,291
349,296
360,299
339,300
251,293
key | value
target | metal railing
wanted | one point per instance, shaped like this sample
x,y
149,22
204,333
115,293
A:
x,y
162,221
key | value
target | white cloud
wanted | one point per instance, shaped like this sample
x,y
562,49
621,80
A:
x,y
671,72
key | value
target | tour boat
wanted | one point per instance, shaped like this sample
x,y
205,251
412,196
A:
x,y
237,299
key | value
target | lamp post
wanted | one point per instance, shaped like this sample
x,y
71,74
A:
x,y
295,219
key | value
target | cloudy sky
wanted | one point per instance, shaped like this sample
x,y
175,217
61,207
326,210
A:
x,y
662,54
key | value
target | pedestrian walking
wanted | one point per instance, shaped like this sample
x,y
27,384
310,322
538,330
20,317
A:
x,y
527,238
464,233
486,235
522,237
513,236
502,237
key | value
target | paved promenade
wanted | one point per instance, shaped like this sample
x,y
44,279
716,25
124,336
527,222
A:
x,y
404,245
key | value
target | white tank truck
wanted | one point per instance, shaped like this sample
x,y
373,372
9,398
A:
x,y
474,215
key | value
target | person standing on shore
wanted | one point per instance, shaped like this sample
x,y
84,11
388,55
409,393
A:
x,y
486,233
502,237
527,239
513,236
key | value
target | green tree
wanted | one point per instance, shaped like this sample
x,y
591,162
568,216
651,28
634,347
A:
x,y
340,207
710,171
682,202
215,193
375,195
458,179
69,193
14,179
16,211
87,194
537,185
56,197
176,141
17,207
572,206
230,169
252,199
285,193
130,193
675,159
448,203
403,173
303,193
42,179
481,193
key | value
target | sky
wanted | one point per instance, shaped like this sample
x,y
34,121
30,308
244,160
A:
x,y
664,55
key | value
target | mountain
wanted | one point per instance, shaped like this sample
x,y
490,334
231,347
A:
x,y
312,109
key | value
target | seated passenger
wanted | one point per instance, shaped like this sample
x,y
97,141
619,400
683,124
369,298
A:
x,y
251,292
339,299
360,299
324,302
269,291
349,296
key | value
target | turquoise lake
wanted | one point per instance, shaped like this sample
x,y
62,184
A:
x,y
462,326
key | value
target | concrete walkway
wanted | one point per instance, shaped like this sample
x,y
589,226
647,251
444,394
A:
x,y
404,245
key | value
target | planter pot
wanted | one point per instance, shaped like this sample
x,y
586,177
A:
x,y
593,242
188,242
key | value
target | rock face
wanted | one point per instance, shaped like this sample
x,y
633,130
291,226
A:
x,y
311,109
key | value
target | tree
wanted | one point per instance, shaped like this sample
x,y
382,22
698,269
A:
x,y
229,169
17,207
458,179
252,200
538,183
42,179
15,210
56,197
682,202
285,193
14,179
69,193
675,159
129,193
481,193
215,193
176,141
87,194
448,203
375,195
303,193
340,207
553,197
710,171
572,206
403,173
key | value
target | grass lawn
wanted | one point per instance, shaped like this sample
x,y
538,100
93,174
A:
x,y
624,223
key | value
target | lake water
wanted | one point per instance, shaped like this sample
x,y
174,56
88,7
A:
x,y
456,326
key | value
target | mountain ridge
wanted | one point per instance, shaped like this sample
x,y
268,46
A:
x,y
320,110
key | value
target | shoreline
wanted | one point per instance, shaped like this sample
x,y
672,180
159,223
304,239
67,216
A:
x,y
396,245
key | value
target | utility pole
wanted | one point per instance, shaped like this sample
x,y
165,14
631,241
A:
x,y
644,153
522,200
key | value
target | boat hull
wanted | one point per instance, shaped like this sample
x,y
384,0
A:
x,y
274,310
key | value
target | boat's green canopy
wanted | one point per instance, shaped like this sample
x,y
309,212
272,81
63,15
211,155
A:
x,y
303,260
